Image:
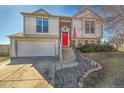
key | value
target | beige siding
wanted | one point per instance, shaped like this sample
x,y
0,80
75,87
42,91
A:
x,y
77,23
30,26
80,28
13,48
99,29
80,25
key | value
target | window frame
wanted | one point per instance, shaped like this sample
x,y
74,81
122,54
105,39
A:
x,y
90,26
92,41
86,41
87,27
42,25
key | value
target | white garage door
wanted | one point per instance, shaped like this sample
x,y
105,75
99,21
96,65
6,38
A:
x,y
28,48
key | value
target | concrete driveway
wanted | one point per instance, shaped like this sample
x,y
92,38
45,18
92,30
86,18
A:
x,y
27,72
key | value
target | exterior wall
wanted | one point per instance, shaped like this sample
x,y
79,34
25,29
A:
x,y
82,41
65,26
79,25
30,26
13,48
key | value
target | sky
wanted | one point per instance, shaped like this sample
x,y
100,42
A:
x,y
11,21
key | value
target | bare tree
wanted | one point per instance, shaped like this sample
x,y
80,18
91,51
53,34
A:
x,y
113,18
116,41
114,23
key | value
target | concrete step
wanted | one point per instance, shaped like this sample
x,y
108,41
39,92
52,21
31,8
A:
x,y
68,55
68,52
68,60
61,65
67,49
69,64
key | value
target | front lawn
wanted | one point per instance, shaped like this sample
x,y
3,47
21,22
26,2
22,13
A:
x,y
3,58
113,64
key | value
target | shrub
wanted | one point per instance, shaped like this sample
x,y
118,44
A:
x,y
100,48
88,48
109,48
97,48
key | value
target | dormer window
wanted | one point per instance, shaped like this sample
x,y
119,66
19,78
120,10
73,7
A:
x,y
42,25
89,27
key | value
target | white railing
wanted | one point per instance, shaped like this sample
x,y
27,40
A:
x,y
60,52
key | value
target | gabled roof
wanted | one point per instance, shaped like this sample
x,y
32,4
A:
x,y
87,9
42,11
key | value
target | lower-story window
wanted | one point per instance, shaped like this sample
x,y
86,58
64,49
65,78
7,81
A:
x,y
85,41
92,41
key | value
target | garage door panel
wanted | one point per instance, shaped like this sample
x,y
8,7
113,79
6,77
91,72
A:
x,y
27,48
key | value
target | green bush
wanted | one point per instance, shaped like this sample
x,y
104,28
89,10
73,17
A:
x,y
96,48
109,48
100,48
88,48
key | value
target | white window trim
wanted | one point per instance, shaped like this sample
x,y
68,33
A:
x,y
90,26
42,24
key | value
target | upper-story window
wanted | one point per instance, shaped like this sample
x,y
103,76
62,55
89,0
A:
x,y
42,25
92,26
89,27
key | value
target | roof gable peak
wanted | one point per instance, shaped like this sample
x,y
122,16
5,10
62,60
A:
x,y
42,11
83,11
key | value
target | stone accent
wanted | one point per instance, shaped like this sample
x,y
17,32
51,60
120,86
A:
x,y
89,71
73,77
68,24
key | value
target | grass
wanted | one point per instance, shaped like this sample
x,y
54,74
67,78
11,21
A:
x,y
3,58
113,64
121,49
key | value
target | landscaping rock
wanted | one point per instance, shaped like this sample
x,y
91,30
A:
x,y
71,77
68,77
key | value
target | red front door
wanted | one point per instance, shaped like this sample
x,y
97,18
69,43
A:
x,y
64,39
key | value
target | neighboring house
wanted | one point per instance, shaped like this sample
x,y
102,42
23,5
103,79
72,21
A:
x,y
44,33
4,50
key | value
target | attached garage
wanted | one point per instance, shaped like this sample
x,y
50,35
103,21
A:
x,y
33,48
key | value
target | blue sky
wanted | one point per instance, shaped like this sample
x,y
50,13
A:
x,y
11,21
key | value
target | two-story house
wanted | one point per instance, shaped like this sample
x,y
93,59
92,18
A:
x,y
44,33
